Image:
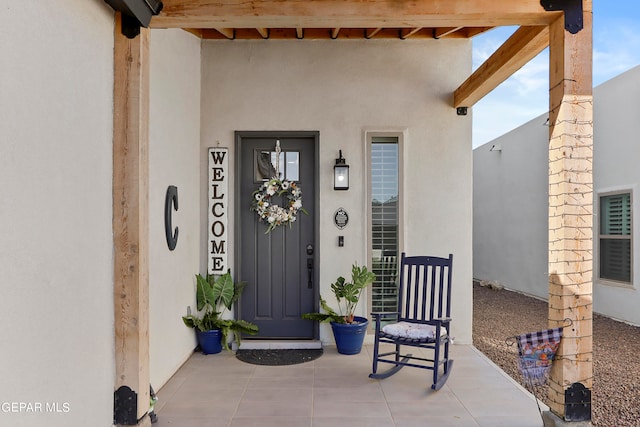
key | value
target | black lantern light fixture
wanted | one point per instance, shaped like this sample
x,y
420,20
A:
x,y
341,174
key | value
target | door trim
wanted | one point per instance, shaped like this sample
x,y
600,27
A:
x,y
241,204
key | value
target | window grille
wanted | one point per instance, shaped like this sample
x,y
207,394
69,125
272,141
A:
x,y
615,237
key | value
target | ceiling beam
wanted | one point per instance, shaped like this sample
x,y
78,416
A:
x,y
443,32
519,49
405,33
350,14
370,32
227,32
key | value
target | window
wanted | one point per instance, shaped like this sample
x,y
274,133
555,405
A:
x,y
265,165
615,237
384,197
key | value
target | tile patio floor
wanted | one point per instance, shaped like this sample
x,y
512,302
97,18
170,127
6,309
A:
x,y
335,390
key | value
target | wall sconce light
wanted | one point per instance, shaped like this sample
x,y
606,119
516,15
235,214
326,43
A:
x,y
341,174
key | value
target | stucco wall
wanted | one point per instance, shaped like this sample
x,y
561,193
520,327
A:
x,y
510,198
56,256
343,89
174,159
615,163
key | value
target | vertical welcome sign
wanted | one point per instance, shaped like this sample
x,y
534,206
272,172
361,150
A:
x,y
218,205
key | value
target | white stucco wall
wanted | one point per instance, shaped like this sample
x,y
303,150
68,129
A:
x,y
56,256
343,89
615,163
510,198
174,159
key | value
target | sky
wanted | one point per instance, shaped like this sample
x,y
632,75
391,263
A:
x,y
524,96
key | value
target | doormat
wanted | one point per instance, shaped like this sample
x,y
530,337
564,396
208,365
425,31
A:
x,y
278,357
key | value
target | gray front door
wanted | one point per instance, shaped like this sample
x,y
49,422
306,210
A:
x,y
279,266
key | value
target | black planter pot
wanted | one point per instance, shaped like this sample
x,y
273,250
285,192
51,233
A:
x,y
350,336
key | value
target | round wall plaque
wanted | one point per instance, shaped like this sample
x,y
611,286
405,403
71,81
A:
x,y
341,218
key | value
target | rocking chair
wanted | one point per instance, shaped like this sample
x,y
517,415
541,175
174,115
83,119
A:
x,y
422,319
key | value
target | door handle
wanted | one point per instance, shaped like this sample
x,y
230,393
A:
x,y
310,273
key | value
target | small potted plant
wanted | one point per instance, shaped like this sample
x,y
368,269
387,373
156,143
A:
x,y
215,295
348,329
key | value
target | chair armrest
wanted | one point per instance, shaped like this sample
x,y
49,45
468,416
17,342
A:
x,y
442,319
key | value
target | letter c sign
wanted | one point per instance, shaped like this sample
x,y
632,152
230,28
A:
x,y
170,201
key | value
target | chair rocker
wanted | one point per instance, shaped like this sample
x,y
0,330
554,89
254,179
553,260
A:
x,y
422,319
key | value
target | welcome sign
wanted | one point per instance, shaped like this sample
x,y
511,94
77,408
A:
x,y
218,206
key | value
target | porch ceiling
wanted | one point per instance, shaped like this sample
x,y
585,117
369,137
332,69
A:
x,y
282,19
374,19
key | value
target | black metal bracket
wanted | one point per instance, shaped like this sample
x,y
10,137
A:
x,y
125,406
135,14
461,111
577,403
170,202
573,20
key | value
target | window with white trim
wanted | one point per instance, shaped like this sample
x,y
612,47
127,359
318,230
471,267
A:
x,y
615,238
384,198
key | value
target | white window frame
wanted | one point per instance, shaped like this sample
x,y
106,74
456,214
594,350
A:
x,y
368,136
600,236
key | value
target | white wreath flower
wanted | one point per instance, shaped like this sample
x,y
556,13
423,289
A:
x,y
273,214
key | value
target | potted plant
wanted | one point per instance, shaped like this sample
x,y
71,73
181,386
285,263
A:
x,y
348,329
215,295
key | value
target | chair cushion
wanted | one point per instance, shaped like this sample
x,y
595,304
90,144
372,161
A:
x,y
417,331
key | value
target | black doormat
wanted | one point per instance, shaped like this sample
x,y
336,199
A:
x,y
278,357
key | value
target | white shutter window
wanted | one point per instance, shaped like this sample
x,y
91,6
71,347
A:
x,y
384,166
615,237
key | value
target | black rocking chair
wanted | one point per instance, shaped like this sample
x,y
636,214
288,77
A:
x,y
422,319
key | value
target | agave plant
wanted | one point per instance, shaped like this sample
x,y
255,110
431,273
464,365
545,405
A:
x,y
215,295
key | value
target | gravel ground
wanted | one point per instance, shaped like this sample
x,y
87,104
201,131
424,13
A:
x,y
498,314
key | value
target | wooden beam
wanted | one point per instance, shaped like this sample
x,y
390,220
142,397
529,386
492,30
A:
x,y
264,32
227,32
443,32
131,214
299,32
334,33
519,49
370,32
405,33
350,14
571,206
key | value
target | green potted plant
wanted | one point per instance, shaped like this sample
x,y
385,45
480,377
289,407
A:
x,y
215,295
348,329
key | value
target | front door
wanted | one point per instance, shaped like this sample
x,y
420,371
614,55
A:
x,y
278,266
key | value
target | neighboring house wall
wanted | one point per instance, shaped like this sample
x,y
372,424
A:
x,y
343,89
174,159
56,255
510,198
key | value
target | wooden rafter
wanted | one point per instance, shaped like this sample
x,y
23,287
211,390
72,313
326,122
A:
x,y
405,33
444,32
227,32
335,32
349,14
264,32
370,32
519,49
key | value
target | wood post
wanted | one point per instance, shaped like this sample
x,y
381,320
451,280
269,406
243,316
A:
x,y
131,215
571,206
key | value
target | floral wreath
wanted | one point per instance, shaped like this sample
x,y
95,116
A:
x,y
273,214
